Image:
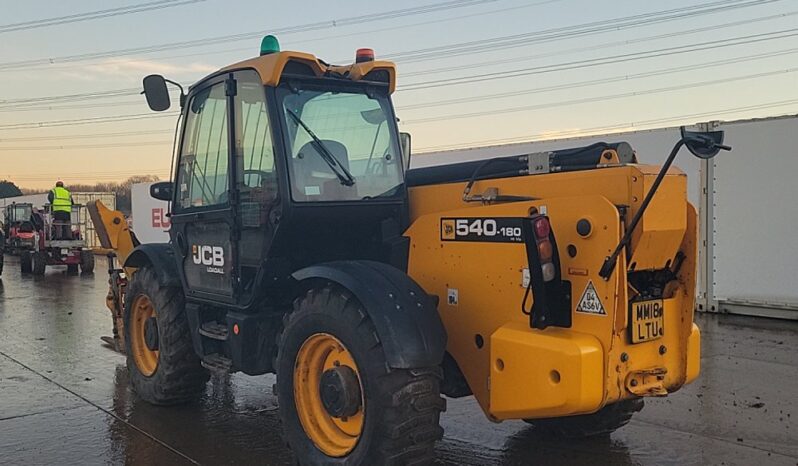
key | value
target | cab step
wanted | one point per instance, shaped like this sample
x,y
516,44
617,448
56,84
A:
x,y
214,330
217,363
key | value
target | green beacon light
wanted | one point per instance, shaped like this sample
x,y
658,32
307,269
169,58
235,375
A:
x,y
269,45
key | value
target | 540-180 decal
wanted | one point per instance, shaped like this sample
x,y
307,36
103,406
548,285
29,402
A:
x,y
489,229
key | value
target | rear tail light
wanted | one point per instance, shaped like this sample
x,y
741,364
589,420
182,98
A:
x,y
551,304
542,228
548,271
545,251
545,248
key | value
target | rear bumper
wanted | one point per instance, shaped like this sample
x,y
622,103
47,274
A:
x,y
561,372
544,373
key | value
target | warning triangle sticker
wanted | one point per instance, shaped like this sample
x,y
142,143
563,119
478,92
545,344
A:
x,y
590,303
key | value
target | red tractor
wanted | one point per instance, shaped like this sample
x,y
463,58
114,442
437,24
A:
x,y
19,232
57,243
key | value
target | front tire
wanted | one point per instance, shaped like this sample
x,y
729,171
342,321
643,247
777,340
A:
x,y
340,402
164,370
603,422
26,262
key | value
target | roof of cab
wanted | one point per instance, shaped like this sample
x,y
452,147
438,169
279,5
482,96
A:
x,y
270,67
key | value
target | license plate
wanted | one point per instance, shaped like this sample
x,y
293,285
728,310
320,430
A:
x,y
647,322
64,252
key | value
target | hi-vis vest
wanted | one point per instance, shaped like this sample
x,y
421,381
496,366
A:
x,y
62,200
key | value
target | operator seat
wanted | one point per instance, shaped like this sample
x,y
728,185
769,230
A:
x,y
315,179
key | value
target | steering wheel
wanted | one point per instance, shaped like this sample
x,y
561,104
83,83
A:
x,y
262,175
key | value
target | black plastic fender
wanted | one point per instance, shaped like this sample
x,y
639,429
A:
x,y
404,315
161,256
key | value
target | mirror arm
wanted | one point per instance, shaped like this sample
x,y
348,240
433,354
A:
x,y
182,92
609,263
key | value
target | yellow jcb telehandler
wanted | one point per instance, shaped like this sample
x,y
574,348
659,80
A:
x,y
554,287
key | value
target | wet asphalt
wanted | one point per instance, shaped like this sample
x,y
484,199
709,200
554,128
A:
x,y
64,399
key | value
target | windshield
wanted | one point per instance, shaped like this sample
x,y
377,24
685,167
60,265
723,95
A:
x,y
19,213
341,144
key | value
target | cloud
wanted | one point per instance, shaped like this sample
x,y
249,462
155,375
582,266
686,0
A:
x,y
137,67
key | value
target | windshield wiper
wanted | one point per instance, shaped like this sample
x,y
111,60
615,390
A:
x,y
335,166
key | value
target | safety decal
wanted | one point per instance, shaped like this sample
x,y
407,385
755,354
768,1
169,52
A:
x,y
590,303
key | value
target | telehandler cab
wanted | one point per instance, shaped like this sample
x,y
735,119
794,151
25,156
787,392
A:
x,y
555,287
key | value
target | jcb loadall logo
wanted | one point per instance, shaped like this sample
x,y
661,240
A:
x,y
210,256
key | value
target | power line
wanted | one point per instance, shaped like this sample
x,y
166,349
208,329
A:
x,y
596,129
336,23
78,17
72,97
86,121
594,82
434,52
578,64
32,108
604,98
457,81
406,26
86,136
469,115
636,40
440,103
18,103
88,146
565,32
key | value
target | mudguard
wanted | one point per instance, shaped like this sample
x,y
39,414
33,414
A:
x,y
404,315
162,258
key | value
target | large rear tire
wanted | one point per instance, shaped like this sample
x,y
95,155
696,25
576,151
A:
x,y
86,261
39,260
604,421
164,370
340,402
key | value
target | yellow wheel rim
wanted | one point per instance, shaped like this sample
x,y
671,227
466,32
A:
x,y
145,358
335,436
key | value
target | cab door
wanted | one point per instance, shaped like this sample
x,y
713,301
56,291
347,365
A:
x,y
257,209
203,221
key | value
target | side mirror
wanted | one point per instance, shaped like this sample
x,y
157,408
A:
x,y
156,92
703,145
404,141
162,191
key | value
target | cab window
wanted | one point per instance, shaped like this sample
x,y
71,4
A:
x,y
254,148
203,171
354,154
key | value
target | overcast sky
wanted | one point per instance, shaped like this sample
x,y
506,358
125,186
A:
x,y
471,72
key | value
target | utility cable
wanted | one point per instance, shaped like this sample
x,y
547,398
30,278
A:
x,y
328,24
78,17
595,99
